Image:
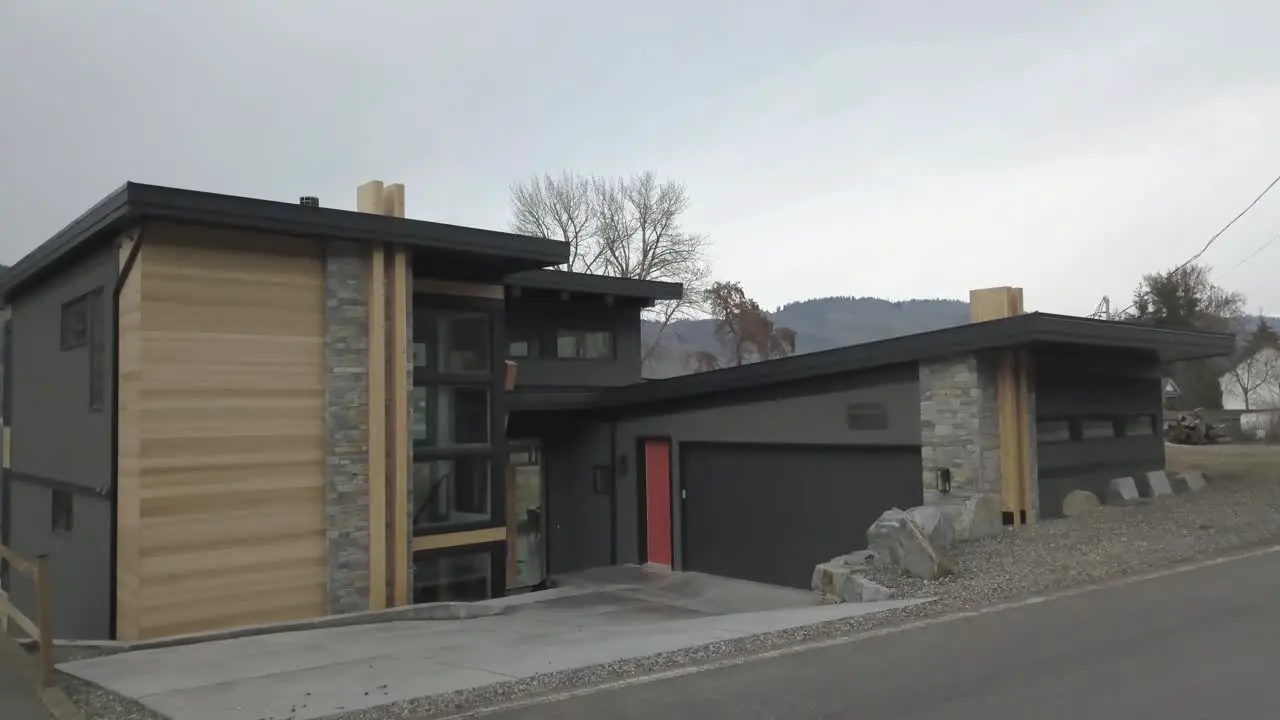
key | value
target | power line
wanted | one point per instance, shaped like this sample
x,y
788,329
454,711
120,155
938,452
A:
x,y
1258,252
1218,234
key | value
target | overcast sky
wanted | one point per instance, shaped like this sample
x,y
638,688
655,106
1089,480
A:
x,y
842,147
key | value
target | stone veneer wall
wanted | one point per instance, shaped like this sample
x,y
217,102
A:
x,y
959,428
346,348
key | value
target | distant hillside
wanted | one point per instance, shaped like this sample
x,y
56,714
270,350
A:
x,y
820,324
827,323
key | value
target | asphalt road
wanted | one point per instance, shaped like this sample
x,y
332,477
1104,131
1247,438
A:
x,y
1197,645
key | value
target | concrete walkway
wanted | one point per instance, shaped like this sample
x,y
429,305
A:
x,y
19,696
314,673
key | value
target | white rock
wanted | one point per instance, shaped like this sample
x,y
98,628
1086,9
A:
x,y
1078,502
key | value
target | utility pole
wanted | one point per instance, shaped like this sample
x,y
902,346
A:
x,y
1103,311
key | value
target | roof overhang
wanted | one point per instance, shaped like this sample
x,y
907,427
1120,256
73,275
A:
x,y
1028,329
499,252
569,284
548,399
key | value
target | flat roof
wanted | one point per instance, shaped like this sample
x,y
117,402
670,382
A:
x,y
589,284
1030,328
132,202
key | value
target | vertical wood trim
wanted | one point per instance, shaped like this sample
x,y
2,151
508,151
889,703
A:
x,y
128,588
377,430
398,432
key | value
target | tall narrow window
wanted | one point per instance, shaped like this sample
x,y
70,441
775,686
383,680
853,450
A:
x,y
62,511
75,323
456,446
97,350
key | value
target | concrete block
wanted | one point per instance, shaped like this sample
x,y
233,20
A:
x,y
1123,491
1079,502
1155,484
1191,481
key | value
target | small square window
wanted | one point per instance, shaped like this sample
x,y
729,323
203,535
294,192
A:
x,y
75,323
584,344
62,515
1053,430
522,343
1140,425
1097,429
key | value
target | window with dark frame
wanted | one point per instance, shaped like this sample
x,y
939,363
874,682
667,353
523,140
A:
x,y
454,577
1053,430
455,386
584,344
522,343
1139,425
1097,428
97,351
75,323
867,416
62,511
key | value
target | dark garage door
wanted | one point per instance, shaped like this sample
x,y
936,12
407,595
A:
x,y
769,513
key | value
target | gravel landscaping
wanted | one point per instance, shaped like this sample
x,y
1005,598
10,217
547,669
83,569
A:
x,y
1239,509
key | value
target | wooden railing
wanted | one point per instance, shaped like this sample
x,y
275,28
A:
x,y
41,629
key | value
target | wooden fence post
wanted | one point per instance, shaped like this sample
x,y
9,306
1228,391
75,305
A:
x,y
44,618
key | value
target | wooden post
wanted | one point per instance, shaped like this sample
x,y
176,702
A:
x,y
44,618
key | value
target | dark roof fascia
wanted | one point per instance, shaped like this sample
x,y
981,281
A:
x,y
590,284
962,339
543,399
137,201
109,213
287,218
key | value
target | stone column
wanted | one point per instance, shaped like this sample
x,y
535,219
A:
x,y
346,349
959,431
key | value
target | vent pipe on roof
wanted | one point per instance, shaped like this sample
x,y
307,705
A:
x,y
309,201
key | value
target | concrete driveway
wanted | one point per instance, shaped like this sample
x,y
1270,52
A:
x,y
608,615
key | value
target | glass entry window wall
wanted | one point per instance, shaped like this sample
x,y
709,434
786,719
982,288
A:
x,y
459,448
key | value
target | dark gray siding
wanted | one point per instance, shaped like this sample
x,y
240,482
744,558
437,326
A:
x,y
816,415
579,520
1102,394
546,316
57,436
81,561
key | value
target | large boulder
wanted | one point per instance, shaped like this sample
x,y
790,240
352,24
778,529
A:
x,y
900,543
1079,502
838,582
935,524
971,516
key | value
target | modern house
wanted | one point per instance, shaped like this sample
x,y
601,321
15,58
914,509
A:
x,y
222,411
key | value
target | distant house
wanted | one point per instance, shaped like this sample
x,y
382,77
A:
x,y
1254,384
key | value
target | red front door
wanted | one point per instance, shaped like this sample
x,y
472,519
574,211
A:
x,y
657,492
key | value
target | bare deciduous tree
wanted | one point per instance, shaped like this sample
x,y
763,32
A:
x,y
625,227
1253,376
